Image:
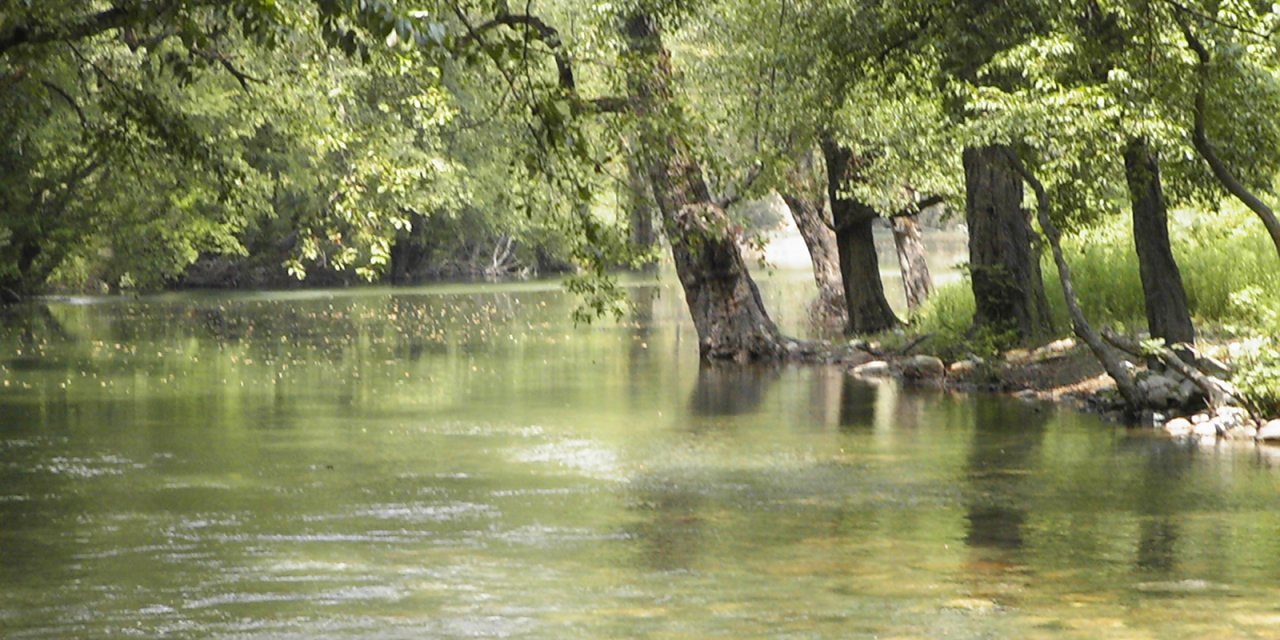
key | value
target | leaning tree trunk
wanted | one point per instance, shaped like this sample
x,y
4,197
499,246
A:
x,y
1110,362
868,309
1166,300
821,242
727,311
1002,264
909,241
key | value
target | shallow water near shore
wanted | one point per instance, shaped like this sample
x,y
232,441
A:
x,y
460,461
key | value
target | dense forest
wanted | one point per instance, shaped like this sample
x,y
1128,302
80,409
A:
x,y
1090,147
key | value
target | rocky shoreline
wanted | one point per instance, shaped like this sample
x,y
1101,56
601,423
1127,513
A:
x,y
1065,373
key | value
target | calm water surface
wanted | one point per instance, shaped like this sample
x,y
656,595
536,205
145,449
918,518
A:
x,y
461,462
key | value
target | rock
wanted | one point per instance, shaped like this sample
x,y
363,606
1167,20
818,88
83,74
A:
x,y
923,368
1200,418
1241,433
1178,427
1188,393
1270,432
964,368
1228,418
1206,429
1027,394
1152,419
873,369
1055,349
1160,391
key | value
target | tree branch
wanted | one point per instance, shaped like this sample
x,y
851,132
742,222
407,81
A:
x,y
84,121
549,36
36,33
1184,9
1200,140
917,206
1124,382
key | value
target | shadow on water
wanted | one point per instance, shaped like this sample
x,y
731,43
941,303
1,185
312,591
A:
x,y
1166,464
731,390
1005,448
671,532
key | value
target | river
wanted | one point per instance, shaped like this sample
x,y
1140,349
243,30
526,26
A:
x,y
461,461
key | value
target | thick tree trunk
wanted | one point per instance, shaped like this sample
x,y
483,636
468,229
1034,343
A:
x,y
640,214
1166,300
865,302
823,254
909,241
1002,264
727,311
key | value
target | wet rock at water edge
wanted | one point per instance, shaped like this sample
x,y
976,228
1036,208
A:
x,y
923,368
873,369
1206,429
1153,419
1270,432
1178,427
1160,391
1228,418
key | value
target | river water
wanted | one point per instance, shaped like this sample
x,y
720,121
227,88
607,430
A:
x,y
462,462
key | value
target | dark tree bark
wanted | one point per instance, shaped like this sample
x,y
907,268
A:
x,y
723,300
823,254
1003,269
868,309
1166,300
916,280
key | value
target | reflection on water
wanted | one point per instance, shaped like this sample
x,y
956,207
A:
x,y
461,462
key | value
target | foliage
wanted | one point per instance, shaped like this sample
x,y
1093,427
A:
x,y
1258,376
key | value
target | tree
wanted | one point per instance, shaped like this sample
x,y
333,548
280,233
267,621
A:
x,y
727,310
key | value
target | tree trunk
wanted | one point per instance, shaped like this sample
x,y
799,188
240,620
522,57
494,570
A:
x,y
909,240
727,311
1112,364
1166,300
865,302
640,205
821,242
1001,263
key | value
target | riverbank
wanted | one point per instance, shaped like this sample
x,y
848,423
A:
x,y
1066,373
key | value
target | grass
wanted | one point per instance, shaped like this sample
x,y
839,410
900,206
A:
x,y
1229,268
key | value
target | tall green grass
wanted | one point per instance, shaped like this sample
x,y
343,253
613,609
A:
x,y
1229,268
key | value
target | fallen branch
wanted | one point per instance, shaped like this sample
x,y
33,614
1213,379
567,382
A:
x,y
1217,392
